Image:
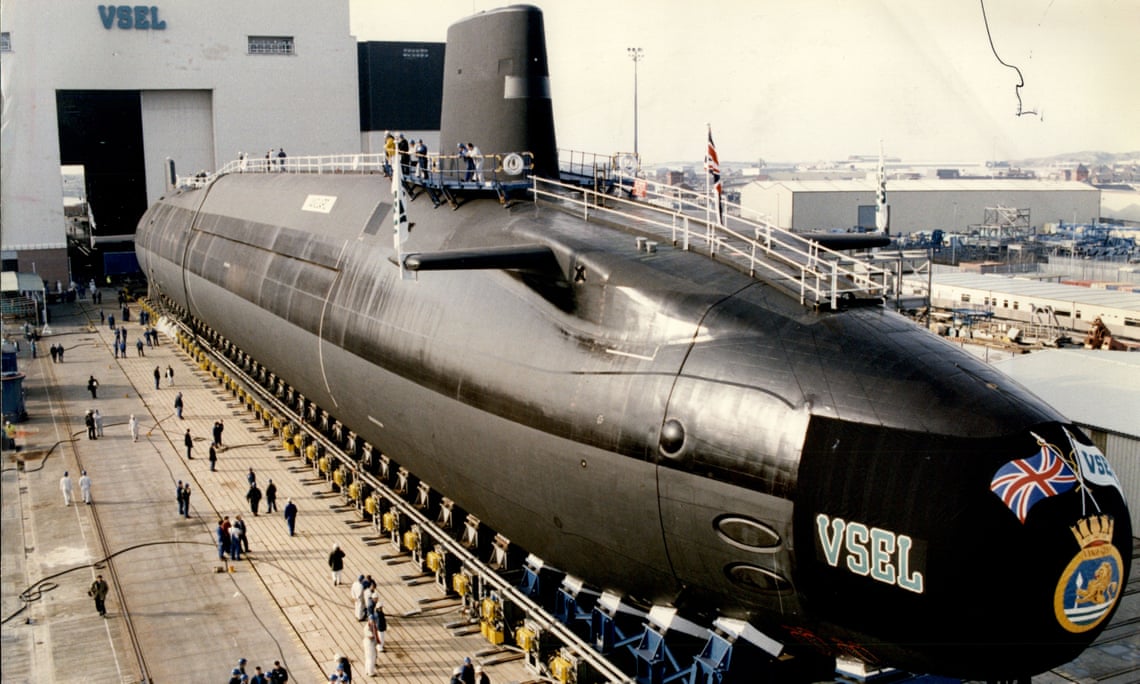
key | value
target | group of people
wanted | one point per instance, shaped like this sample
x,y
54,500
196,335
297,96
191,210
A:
x,y
150,335
469,673
217,442
277,675
84,487
233,540
159,374
56,351
182,493
472,157
369,608
119,344
232,537
254,494
342,670
399,146
94,422
273,158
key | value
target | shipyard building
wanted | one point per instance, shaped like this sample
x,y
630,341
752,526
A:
x,y
952,205
120,90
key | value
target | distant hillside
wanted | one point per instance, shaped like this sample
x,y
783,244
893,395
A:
x,y
1087,157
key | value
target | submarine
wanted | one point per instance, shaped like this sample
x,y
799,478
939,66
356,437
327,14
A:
x,y
659,423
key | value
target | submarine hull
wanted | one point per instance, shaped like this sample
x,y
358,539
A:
x,y
660,424
547,420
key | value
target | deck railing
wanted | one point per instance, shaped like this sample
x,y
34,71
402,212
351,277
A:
x,y
689,220
438,170
821,276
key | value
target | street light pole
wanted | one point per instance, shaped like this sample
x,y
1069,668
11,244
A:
x,y
636,54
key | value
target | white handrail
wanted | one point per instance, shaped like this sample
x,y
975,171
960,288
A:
x,y
441,169
765,250
823,275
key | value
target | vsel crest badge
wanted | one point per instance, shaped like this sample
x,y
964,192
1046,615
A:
x,y
1090,585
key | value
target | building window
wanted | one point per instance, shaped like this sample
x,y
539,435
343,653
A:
x,y
5,42
271,45
965,297
1015,305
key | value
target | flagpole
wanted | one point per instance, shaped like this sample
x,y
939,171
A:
x,y
708,190
882,217
399,215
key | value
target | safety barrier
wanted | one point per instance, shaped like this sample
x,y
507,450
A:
x,y
436,170
822,276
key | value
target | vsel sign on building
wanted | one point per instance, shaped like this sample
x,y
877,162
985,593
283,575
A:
x,y
138,17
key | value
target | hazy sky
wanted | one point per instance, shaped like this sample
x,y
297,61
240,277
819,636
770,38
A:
x,y
824,79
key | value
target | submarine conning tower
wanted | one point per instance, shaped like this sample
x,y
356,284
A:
x,y
496,86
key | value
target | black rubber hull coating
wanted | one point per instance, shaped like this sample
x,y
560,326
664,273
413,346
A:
x,y
663,426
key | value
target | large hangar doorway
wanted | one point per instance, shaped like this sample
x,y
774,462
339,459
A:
x,y
101,130
122,138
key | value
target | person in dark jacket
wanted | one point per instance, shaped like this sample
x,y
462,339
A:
x,y
254,497
270,497
223,541
89,421
468,672
291,516
98,591
336,563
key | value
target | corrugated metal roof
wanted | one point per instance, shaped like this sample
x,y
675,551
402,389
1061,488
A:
x,y
931,185
1092,387
11,281
1042,289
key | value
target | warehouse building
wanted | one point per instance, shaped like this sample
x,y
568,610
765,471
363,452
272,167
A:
x,y
952,205
1026,301
1097,390
119,90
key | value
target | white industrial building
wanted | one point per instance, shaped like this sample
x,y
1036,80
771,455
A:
x,y
951,205
1033,301
205,80
1097,390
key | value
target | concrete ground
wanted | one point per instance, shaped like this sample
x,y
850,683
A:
x,y
192,615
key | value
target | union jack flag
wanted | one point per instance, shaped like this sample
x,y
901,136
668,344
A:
x,y
712,164
1022,483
